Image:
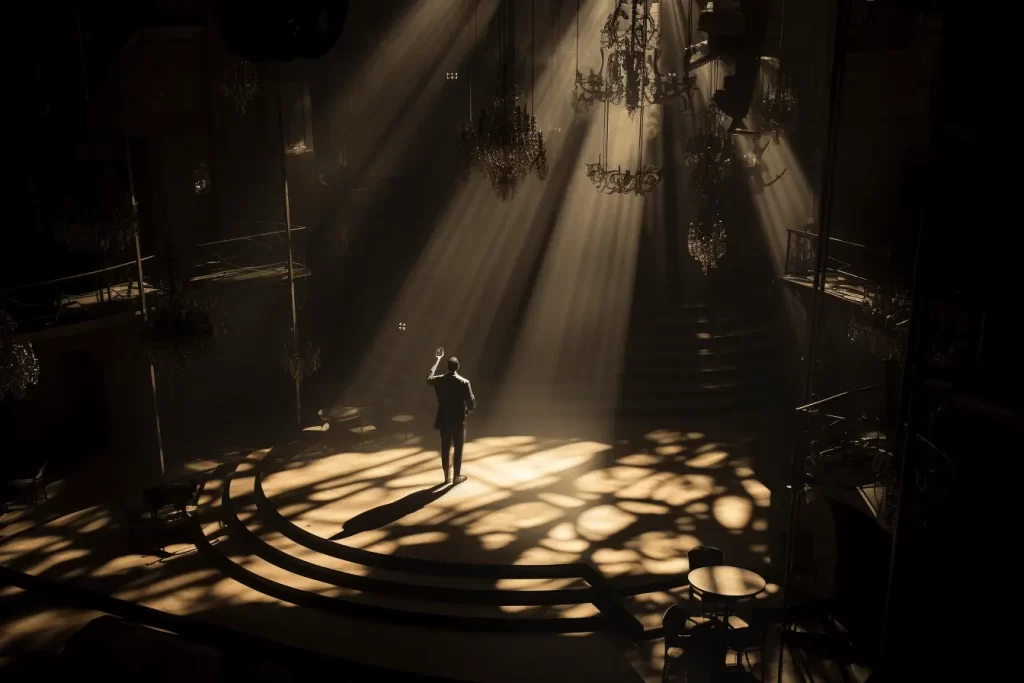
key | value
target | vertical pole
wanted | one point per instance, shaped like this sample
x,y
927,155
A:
x,y
142,303
288,233
836,80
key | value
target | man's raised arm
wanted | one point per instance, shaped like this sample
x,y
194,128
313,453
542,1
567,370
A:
x,y
432,376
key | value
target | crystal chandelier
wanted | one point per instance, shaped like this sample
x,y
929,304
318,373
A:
x,y
201,179
705,241
617,181
19,366
241,84
629,64
505,146
880,326
774,110
708,154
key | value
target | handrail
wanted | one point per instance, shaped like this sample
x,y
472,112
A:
x,y
935,449
196,630
246,237
849,392
830,239
79,275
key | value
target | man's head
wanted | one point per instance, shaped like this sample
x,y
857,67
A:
x,y
453,364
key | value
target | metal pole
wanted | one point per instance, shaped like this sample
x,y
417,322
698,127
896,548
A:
x,y
288,232
142,304
824,224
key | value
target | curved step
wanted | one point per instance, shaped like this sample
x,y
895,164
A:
x,y
278,563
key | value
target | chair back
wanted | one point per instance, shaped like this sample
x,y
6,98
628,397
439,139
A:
x,y
705,556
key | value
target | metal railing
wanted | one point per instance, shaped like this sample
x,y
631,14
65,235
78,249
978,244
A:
x,y
852,271
263,254
80,296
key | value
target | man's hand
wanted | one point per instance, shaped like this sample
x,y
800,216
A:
x,y
439,354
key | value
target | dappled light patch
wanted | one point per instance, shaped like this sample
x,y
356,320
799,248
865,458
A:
x,y
640,508
424,538
561,500
598,523
639,460
497,541
708,459
758,492
670,449
733,512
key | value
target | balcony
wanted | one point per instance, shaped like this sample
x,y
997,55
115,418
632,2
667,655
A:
x,y
853,272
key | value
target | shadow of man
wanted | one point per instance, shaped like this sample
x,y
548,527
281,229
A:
x,y
383,515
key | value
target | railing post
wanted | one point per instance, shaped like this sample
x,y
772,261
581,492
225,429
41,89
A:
x,y
288,231
142,303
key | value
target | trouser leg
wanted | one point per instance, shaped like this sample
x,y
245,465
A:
x,y
446,445
460,441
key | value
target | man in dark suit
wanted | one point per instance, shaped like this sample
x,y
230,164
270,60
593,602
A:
x,y
455,400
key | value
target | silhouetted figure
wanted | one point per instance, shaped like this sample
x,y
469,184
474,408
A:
x,y
455,400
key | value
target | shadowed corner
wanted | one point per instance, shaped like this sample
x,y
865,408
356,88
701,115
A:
x,y
383,515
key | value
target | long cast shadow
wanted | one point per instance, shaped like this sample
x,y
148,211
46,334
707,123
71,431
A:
x,y
382,515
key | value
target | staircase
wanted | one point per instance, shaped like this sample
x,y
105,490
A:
x,y
695,358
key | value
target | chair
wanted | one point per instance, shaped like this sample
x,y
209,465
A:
x,y
32,480
697,642
704,556
745,640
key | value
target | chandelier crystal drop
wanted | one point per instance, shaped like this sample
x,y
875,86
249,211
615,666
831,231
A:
x,y
706,242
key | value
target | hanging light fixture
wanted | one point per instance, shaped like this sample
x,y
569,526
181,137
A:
x,y
19,366
201,179
705,241
879,325
774,108
629,69
708,154
241,84
505,145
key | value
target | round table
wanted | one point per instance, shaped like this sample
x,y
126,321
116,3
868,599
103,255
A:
x,y
726,583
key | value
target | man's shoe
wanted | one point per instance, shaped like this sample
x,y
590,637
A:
x,y
461,478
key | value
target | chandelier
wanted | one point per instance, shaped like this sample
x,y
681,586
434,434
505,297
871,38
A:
x,y
774,109
241,84
201,179
705,241
708,154
505,145
629,64
880,326
19,366
617,181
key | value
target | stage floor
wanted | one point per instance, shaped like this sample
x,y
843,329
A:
x,y
570,546
633,509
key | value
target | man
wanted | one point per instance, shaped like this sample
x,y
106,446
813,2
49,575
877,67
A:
x,y
455,400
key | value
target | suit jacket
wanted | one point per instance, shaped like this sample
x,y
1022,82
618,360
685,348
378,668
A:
x,y
455,399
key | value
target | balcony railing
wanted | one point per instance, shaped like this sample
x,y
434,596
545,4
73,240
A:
x,y
852,271
843,445
114,290
251,257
